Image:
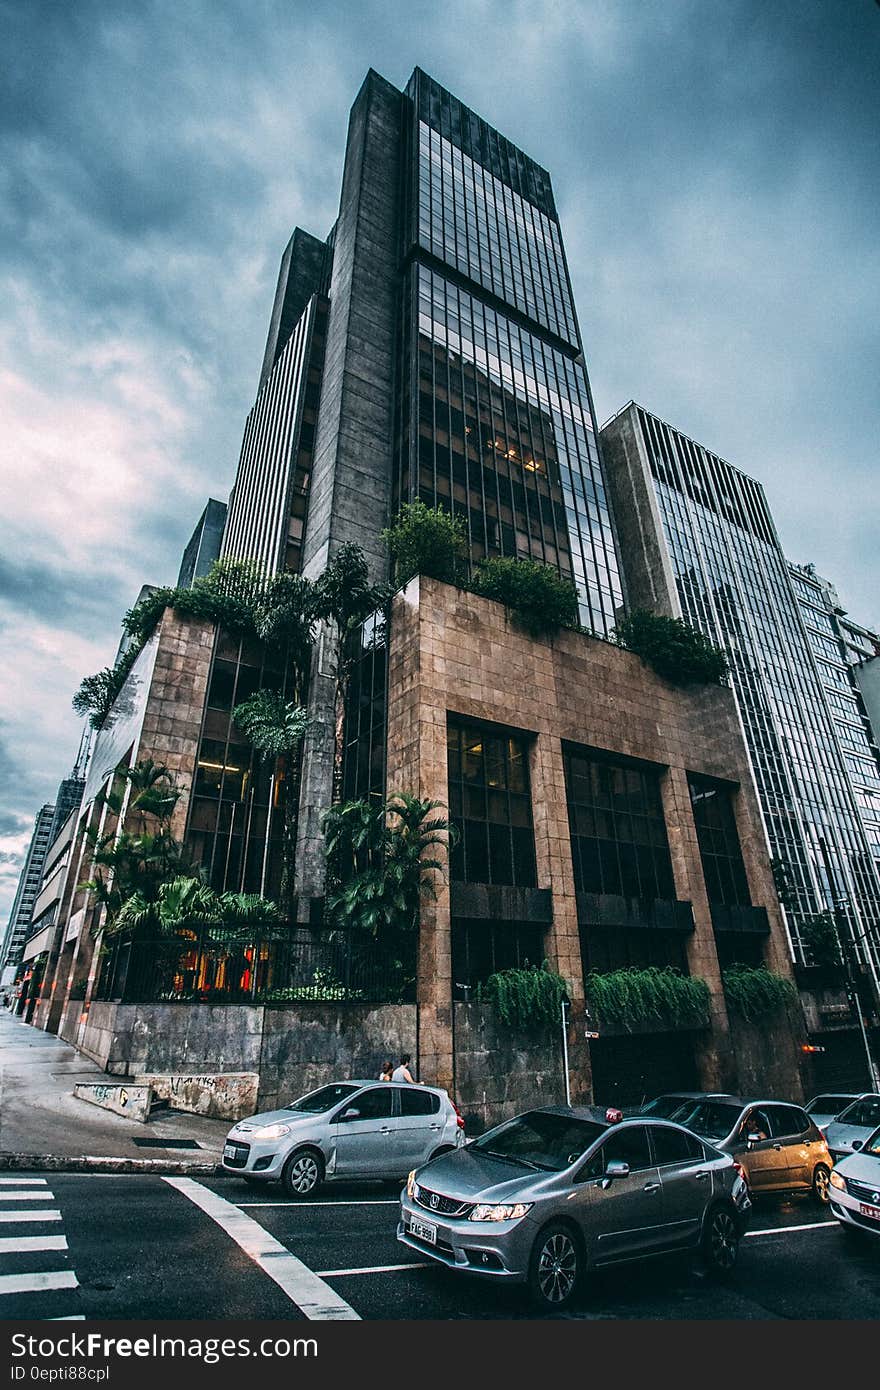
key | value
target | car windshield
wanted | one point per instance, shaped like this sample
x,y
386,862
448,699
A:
x,y
862,1112
711,1119
827,1105
316,1102
540,1140
664,1107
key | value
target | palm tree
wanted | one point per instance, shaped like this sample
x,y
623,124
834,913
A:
x,y
344,596
276,728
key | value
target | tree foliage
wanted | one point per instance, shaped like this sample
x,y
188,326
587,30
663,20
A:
x,y
637,997
753,992
428,540
678,652
540,601
530,997
821,938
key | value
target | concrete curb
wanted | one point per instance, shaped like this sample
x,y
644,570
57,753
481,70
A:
x,y
86,1163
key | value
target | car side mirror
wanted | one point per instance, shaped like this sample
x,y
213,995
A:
x,y
753,1138
615,1169
352,1113
858,1144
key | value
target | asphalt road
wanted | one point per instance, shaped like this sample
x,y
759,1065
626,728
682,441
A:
x,y
146,1247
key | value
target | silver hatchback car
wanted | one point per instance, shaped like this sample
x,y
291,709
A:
x,y
559,1190
345,1130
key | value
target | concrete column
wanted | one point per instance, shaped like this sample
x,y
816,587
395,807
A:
x,y
716,1066
555,871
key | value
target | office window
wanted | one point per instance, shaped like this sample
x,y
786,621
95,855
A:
x,y
720,851
490,804
618,832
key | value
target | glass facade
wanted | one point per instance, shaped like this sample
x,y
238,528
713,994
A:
x,y
618,832
363,768
720,851
733,583
496,422
490,805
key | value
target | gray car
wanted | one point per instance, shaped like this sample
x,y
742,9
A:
x,y
825,1108
345,1130
553,1192
855,1189
856,1122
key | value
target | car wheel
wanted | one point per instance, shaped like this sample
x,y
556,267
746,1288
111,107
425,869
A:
x,y
720,1243
821,1184
555,1266
302,1173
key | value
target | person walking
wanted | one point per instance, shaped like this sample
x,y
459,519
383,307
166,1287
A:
x,y
402,1072
386,1073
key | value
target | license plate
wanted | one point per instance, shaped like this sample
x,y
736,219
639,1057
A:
x,y
873,1212
423,1230
229,1151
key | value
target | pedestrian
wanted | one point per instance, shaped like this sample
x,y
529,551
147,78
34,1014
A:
x,y
402,1072
387,1069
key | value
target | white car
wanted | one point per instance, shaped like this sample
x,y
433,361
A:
x,y
853,1126
855,1188
825,1108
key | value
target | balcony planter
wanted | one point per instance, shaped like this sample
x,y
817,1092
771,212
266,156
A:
x,y
647,1000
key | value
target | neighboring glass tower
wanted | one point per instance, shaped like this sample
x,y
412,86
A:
x,y
26,894
700,543
496,421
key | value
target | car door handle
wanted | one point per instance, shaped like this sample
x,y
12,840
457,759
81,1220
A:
x,y
778,1148
702,1177
386,1130
651,1187
435,1126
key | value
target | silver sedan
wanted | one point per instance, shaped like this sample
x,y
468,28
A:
x,y
559,1190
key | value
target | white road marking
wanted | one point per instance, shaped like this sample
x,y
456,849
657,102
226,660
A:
x,y
42,1196
372,1202
50,1214
315,1299
784,1230
22,1182
38,1283
69,1317
20,1245
374,1269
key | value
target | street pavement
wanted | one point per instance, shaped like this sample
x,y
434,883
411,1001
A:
x,y
145,1246
40,1115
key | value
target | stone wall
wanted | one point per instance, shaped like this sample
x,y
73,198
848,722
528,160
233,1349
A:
x,y
306,1046
498,1072
768,1056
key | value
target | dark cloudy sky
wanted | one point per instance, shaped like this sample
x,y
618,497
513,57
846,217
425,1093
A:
x,y
715,164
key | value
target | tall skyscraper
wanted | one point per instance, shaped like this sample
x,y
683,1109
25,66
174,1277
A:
x,y
26,894
203,546
700,543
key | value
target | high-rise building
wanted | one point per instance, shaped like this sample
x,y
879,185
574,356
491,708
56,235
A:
x,y
203,546
700,543
26,894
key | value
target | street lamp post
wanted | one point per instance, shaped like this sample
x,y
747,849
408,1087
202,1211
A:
x,y
565,1051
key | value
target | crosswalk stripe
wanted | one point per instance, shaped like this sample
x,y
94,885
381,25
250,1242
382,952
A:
x,y
22,1182
28,1196
20,1245
50,1214
38,1283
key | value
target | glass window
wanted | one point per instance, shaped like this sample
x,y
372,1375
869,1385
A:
x,y
863,1112
720,852
414,1101
627,1145
316,1102
540,1139
618,831
488,790
373,1105
674,1146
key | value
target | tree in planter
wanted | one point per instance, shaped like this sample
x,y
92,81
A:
x,y
344,596
753,992
426,540
635,998
540,601
678,652
276,727
526,998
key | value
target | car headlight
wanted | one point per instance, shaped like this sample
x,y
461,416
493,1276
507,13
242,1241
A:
x,y
837,1181
501,1212
412,1186
271,1131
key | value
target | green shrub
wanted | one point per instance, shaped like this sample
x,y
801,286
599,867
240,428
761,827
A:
x,y
753,992
540,601
677,651
638,997
526,998
425,540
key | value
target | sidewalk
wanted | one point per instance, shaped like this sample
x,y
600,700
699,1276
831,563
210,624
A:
x,y
41,1120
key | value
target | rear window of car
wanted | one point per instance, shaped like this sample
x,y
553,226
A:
x,y
827,1105
664,1107
674,1146
418,1102
861,1112
316,1102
